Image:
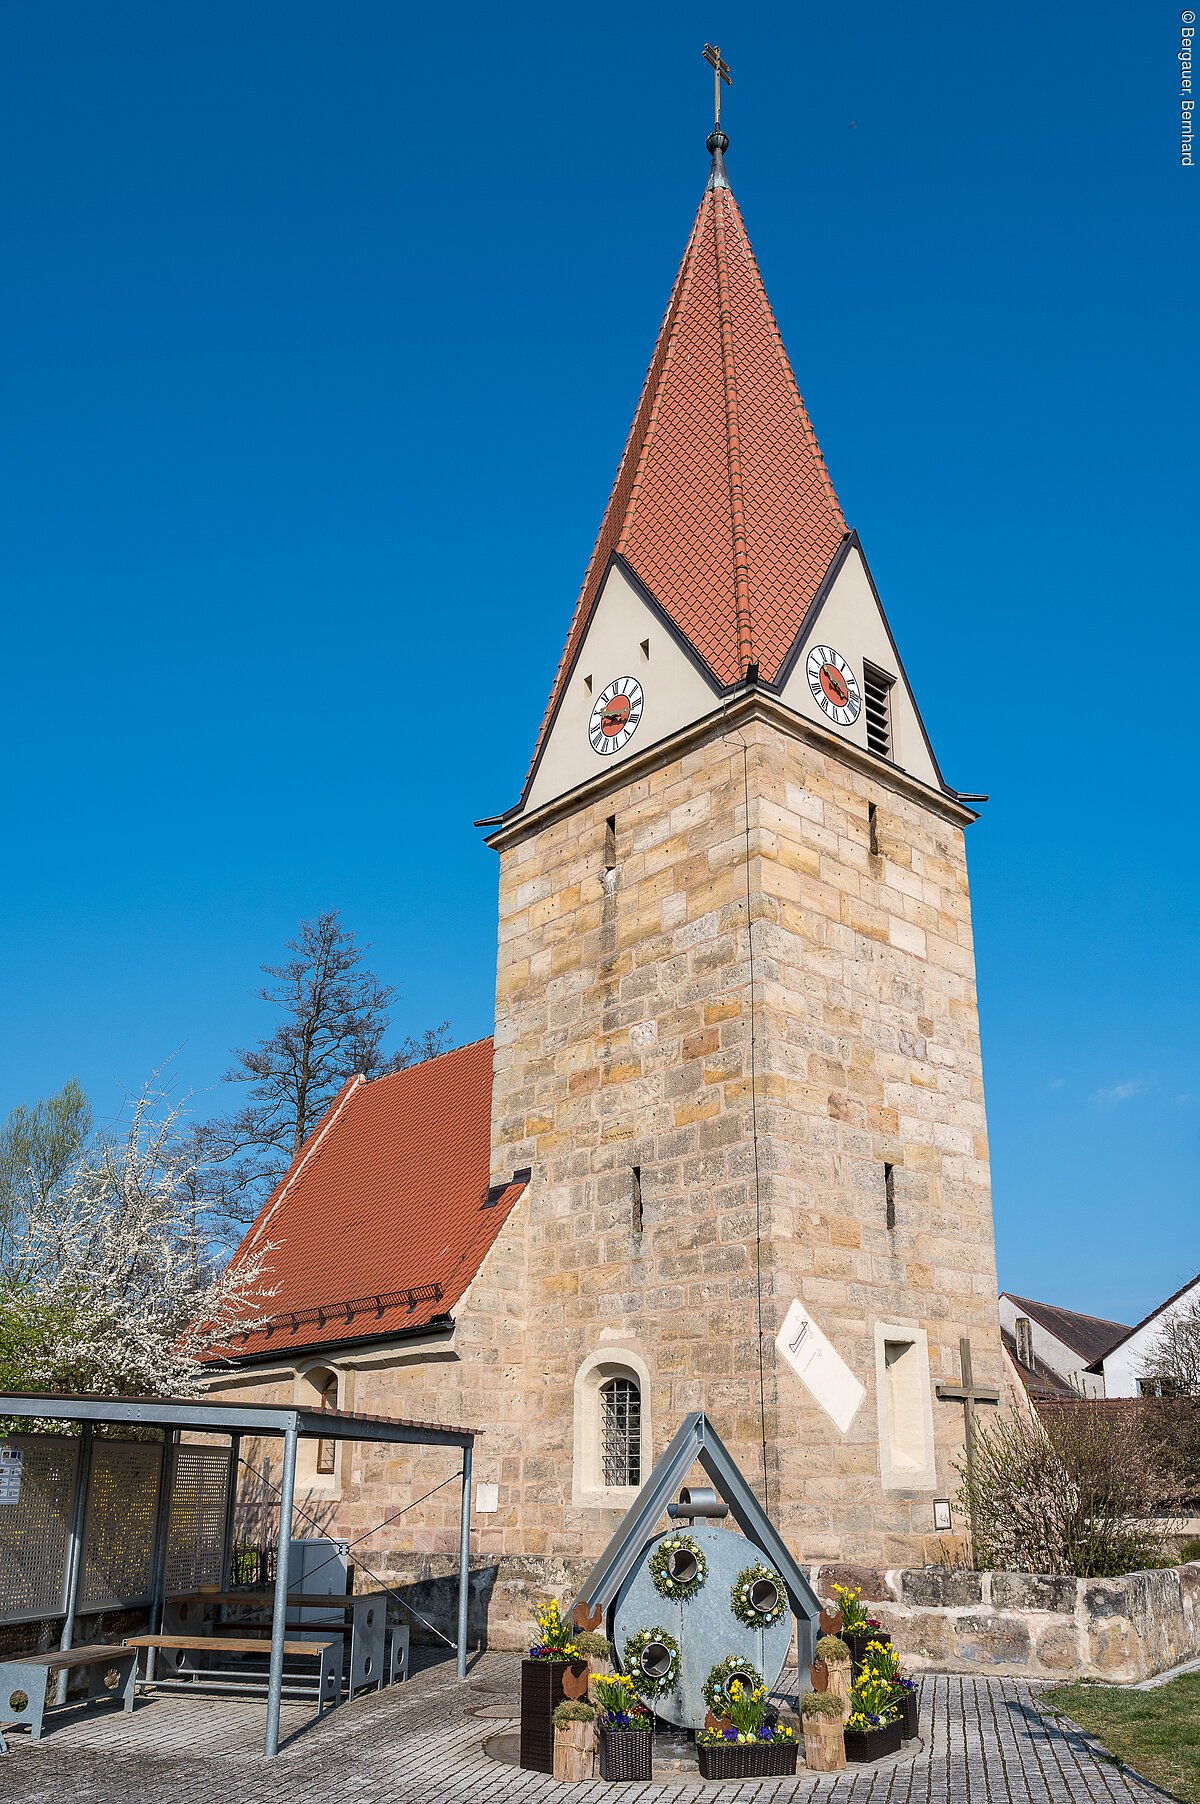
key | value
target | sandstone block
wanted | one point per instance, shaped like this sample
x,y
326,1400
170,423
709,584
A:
x,y
1033,1591
941,1587
991,1640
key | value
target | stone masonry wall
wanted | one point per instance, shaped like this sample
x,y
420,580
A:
x,y
623,1030
1118,1629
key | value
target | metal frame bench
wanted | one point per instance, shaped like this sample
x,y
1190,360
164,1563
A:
x,y
357,1620
186,1648
30,1676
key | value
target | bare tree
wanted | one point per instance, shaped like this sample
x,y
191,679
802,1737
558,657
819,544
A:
x,y
1171,1384
333,1016
1074,1488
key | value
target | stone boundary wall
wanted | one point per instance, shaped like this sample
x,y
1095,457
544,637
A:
x,y
943,1619
940,1618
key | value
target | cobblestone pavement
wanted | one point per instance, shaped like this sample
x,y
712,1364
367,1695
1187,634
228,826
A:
x,y
982,1742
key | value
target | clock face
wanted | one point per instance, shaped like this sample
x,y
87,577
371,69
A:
x,y
834,685
615,716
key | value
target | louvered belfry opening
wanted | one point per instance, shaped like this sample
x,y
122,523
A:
x,y
621,1432
877,690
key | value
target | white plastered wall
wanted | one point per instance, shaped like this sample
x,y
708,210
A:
x,y
851,622
675,692
1127,1363
1052,1352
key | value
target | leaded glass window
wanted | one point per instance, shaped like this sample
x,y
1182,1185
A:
x,y
621,1432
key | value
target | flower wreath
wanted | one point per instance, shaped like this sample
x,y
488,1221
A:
x,y
646,1684
715,1695
743,1585
679,1590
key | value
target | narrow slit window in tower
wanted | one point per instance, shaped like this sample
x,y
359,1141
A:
x,y
889,1194
637,1199
873,829
610,843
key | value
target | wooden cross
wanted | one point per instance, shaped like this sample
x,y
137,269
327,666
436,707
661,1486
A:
x,y
720,69
968,1393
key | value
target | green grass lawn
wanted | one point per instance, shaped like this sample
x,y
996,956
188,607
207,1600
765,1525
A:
x,y
1155,1732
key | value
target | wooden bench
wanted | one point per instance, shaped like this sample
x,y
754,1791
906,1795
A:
x,y
185,1648
29,1678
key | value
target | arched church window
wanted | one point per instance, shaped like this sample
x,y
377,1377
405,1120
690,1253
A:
x,y
327,1449
621,1432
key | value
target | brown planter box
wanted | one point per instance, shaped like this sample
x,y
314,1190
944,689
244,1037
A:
x,y
873,1744
541,1691
747,1759
625,1753
908,1715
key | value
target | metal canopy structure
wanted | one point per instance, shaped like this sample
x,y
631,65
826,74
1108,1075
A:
x,y
697,1442
203,1415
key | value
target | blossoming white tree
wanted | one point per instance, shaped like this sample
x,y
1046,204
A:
x,y
111,1284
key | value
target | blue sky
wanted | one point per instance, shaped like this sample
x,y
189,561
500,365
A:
x,y
323,329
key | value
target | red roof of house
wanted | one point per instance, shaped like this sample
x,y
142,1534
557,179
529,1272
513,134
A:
x,y
722,505
385,1216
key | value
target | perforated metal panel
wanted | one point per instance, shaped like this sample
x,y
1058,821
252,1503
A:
x,y
118,1531
33,1531
196,1524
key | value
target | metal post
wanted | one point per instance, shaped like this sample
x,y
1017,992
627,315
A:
x,y
464,1560
287,1491
74,1561
166,1482
162,1519
235,1452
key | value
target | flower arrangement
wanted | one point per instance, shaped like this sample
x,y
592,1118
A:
x,y
832,1648
553,1640
747,1712
752,1590
652,1659
592,1646
872,1703
618,1705
678,1567
881,1662
854,1618
723,1673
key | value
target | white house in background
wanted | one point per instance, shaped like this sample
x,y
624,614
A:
x,y
1121,1367
1058,1345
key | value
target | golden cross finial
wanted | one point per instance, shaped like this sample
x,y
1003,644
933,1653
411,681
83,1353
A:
x,y
720,69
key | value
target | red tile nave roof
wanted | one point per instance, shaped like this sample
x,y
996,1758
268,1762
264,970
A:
x,y
385,1216
722,505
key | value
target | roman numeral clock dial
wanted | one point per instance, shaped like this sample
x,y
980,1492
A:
x,y
834,685
615,716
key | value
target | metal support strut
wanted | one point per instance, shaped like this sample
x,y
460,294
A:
x,y
287,1491
464,1561
74,1566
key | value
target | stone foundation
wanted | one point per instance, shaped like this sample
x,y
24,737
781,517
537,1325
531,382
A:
x,y
941,1619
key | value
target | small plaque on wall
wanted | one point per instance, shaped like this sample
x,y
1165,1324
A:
x,y
819,1366
941,1512
487,1499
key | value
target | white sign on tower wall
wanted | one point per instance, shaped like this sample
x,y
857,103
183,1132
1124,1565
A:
x,y
819,1366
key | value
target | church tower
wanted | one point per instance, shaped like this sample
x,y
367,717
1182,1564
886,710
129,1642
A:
x,y
737,1043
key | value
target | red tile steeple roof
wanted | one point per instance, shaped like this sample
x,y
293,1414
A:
x,y
722,505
